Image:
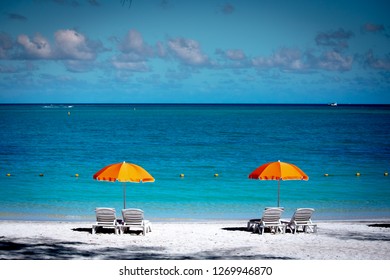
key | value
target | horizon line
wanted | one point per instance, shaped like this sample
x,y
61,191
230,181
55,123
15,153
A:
x,y
191,103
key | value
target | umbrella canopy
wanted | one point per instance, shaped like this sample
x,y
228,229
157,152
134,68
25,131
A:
x,y
123,172
278,171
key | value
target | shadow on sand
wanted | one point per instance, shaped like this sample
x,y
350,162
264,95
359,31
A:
x,y
236,229
266,230
50,249
380,225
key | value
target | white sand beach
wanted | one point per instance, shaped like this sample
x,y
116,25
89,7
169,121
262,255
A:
x,y
194,240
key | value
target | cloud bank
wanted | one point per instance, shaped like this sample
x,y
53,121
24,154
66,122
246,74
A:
x,y
132,54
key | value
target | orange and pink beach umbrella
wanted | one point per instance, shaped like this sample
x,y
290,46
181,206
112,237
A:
x,y
278,171
123,172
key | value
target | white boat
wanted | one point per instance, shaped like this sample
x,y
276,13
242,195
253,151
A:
x,y
334,104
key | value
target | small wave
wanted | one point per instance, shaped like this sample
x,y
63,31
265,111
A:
x,y
57,106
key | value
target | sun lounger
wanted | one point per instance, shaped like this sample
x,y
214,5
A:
x,y
253,222
270,219
134,219
105,218
301,220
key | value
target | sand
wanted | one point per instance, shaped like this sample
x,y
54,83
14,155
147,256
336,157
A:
x,y
195,240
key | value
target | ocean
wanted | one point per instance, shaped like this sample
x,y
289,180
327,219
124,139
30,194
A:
x,y
49,153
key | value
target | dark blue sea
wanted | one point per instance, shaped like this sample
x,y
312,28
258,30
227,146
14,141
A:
x,y
43,147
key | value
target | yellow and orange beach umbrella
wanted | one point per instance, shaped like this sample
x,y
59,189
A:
x,y
278,171
123,172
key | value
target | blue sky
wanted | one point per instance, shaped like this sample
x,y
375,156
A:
x,y
215,51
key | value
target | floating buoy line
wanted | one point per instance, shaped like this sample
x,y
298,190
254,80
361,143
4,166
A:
x,y
357,174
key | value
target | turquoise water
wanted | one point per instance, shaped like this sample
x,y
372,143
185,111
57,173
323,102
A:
x,y
197,141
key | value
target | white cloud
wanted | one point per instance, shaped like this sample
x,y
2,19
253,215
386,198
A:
x,y
373,28
134,53
232,54
69,45
73,45
235,54
335,61
131,66
294,60
188,51
284,59
134,43
377,63
39,47
337,39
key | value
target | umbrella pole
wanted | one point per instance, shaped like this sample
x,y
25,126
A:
x,y
124,195
278,192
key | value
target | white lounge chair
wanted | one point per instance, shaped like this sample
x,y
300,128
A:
x,y
134,219
105,218
301,220
270,219
251,225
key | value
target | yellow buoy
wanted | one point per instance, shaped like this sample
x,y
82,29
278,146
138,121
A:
x,y
357,173
68,113
181,175
386,174
76,175
326,174
8,174
216,175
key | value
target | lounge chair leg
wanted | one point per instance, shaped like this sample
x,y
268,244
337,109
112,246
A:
x,y
312,228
